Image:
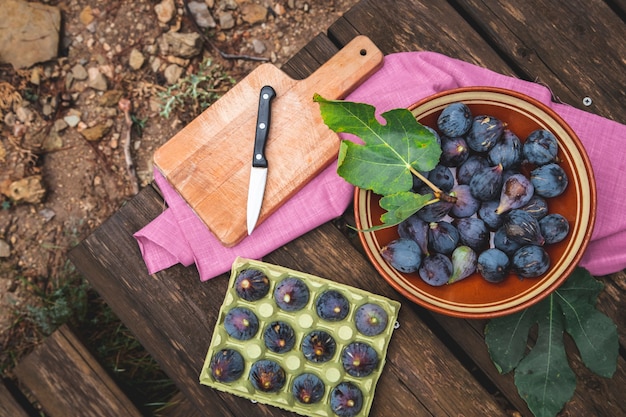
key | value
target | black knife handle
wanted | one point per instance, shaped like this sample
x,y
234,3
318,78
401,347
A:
x,y
262,126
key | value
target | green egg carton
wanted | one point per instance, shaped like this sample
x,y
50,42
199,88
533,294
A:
x,y
242,378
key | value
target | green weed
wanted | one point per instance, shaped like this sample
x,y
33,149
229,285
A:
x,y
195,92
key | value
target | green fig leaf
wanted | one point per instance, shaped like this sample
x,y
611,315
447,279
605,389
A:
x,y
506,338
544,378
542,374
595,334
389,153
402,205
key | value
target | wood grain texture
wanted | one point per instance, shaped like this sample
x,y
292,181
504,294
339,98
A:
x,y
172,313
66,380
9,407
179,406
577,50
424,26
208,162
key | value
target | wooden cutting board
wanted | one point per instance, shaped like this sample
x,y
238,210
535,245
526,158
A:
x,y
208,162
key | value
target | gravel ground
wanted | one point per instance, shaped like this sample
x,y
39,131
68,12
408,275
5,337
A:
x,y
65,144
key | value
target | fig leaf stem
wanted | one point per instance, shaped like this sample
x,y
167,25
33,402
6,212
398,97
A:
x,y
437,192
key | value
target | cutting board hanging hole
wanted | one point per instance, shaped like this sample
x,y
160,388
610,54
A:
x,y
363,52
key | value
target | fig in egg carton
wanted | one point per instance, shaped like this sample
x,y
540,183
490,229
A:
x,y
299,342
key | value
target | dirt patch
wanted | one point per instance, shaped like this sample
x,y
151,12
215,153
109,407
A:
x,y
63,150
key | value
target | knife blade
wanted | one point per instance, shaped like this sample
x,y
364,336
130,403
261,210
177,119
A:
x,y
258,171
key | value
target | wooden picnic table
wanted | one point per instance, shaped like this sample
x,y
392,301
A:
x,y
436,365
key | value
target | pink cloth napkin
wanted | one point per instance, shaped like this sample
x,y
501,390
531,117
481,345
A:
x,y
179,236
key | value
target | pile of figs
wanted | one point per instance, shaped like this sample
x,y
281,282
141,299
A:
x,y
299,342
497,220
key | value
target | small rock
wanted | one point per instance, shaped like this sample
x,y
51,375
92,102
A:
x,y
5,249
210,3
227,21
136,59
52,142
152,48
35,76
258,46
72,120
220,36
96,80
86,16
60,125
95,133
29,33
184,45
24,114
79,72
110,98
47,109
107,70
29,190
115,140
165,11
200,13
92,27
172,73
253,13
279,9
155,65
47,214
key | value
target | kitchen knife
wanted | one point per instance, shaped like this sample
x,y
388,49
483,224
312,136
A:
x,y
258,172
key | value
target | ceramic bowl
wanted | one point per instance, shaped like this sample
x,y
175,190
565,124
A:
x,y
474,297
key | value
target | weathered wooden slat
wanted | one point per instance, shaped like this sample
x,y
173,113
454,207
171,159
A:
x,y
66,379
425,26
179,406
9,407
584,54
310,57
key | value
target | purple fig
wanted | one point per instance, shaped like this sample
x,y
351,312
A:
x,y
416,229
521,227
486,184
516,192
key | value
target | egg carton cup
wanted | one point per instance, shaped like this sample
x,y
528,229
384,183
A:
x,y
303,321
